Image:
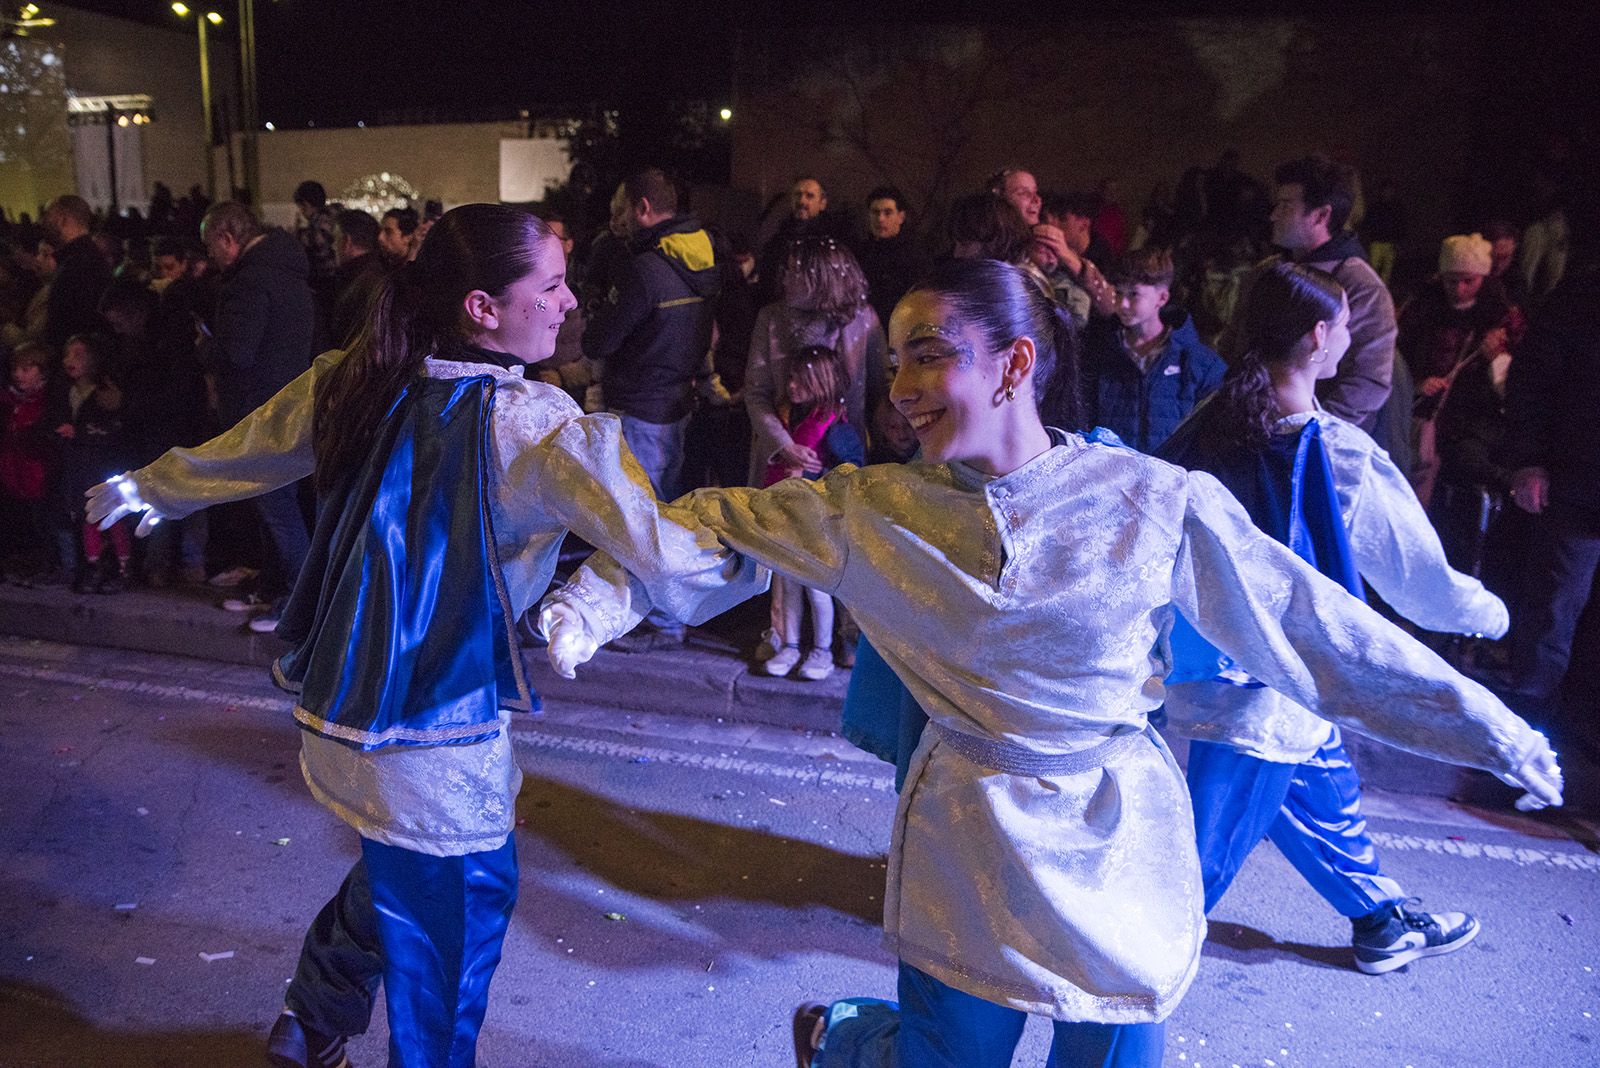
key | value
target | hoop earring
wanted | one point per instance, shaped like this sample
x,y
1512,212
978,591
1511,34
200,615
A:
x,y
1011,393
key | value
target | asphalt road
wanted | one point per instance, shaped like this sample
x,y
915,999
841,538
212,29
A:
x,y
684,884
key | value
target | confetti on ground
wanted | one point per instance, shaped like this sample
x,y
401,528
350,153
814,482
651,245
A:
x,y
615,916
209,957
144,960
775,801
280,841
141,810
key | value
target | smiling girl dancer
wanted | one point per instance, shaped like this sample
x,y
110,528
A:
x,y
1018,579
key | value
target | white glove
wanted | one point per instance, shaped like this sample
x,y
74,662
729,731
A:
x,y
116,497
1540,775
571,643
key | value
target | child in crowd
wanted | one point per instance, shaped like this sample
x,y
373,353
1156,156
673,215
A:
x,y
27,457
90,425
814,417
1142,377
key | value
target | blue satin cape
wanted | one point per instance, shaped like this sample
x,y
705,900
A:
x,y
402,630
1287,487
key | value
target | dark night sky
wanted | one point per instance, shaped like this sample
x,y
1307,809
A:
x,y
336,61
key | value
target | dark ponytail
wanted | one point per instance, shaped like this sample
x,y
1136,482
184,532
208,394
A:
x,y
419,312
1003,302
1286,301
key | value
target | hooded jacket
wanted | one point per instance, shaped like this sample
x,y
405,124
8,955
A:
x,y
261,337
655,337
1143,408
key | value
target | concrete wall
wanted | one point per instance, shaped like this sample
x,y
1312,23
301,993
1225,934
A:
x,y
937,110
456,163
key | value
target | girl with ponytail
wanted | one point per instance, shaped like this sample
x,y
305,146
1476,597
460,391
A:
x,y
446,482
1260,763
1020,579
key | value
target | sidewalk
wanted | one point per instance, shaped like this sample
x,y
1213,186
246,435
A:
x,y
707,679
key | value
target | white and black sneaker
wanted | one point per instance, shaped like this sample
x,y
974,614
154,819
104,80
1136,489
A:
x,y
294,1045
1395,935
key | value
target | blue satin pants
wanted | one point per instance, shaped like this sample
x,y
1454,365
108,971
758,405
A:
x,y
430,930
937,1026
1310,811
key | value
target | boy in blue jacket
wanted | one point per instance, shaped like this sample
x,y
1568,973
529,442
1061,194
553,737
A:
x,y
1143,377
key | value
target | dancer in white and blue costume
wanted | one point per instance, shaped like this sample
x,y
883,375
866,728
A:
x,y
1021,583
1260,764
446,483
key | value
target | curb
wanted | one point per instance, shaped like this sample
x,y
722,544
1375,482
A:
x,y
704,679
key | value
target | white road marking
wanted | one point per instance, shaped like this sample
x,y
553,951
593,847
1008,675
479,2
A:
x,y
1477,850
804,774
824,776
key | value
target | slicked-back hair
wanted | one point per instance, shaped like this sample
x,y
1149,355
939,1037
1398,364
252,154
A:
x,y
1003,302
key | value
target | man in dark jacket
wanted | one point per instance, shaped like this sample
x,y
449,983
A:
x,y
889,256
808,217
82,273
1141,377
359,275
653,340
1552,395
261,340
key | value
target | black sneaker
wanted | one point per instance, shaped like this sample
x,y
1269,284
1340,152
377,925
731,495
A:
x,y
294,1045
1394,936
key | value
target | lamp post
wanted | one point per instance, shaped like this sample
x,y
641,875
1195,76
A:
x,y
250,120
200,21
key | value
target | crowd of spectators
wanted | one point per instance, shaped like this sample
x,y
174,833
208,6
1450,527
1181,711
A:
x,y
128,335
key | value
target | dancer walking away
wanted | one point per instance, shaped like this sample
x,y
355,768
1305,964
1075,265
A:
x,y
1021,582
1260,764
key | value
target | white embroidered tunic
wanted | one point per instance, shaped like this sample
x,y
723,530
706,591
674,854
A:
x,y
1023,612
1397,551
552,469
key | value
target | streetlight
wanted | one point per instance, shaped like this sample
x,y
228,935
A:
x,y
250,119
182,11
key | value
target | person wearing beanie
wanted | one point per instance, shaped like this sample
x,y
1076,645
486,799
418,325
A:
x,y
1456,337
1467,255
1445,322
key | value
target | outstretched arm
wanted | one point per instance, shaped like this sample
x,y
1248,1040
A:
x,y
586,479
794,528
1304,636
1398,551
269,448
